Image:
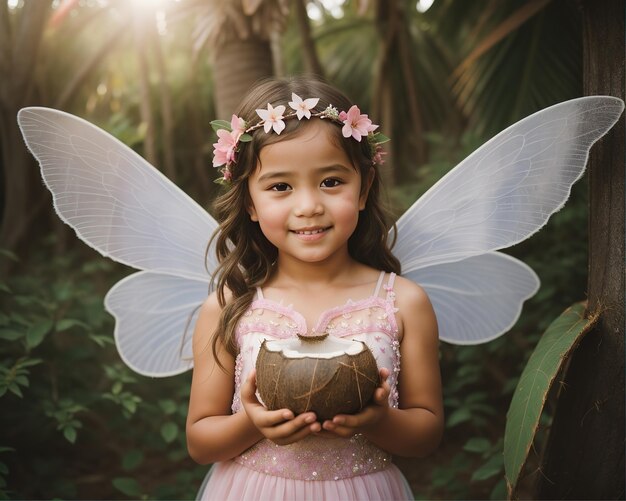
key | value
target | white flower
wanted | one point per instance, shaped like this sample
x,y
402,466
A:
x,y
272,118
303,107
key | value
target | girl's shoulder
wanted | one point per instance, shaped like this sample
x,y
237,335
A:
x,y
212,305
409,293
415,311
208,316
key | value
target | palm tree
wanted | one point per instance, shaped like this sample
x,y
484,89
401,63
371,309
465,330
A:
x,y
584,458
239,36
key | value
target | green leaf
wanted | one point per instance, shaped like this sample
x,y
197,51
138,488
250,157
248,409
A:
x,y
67,323
29,362
220,124
490,469
132,459
477,444
70,434
168,406
15,389
499,490
379,138
552,351
169,432
459,416
245,138
128,486
101,340
37,332
10,334
5,288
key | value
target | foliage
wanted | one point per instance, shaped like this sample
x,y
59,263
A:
x,y
85,426
479,381
65,394
550,355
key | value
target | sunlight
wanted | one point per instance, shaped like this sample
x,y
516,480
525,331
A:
x,y
334,7
423,5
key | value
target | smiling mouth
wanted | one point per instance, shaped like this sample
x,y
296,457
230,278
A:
x,y
310,232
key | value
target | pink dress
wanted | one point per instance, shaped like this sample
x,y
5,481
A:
x,y
315,468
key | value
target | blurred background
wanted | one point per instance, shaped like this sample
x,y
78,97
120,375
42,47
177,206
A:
x,y
441,77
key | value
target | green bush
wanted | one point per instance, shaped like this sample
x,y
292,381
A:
x,y
75,418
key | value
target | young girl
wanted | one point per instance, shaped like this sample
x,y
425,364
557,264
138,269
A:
x,y
303,248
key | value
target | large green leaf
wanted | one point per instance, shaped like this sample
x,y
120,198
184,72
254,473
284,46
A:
x,y
553,349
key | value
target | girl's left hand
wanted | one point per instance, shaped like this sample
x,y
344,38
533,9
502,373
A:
x,y
347,425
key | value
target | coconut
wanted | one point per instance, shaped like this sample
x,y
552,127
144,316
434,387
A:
x,y
326,375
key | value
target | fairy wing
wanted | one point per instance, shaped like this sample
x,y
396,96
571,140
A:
x,y
498,196
127,210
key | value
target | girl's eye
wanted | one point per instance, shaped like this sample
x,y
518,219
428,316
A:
x,y
330,183
280,187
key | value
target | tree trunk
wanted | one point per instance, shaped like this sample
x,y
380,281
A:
x,y
584,457
238,65
143,69
309,53
18,56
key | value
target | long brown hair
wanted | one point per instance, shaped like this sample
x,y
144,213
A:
x,y
245,256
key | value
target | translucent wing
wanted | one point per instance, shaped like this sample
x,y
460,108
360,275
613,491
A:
x,y
507,189
127,210
116,201
498,196
478,298
155,315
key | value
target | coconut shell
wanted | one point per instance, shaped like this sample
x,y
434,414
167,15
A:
x,y
340,384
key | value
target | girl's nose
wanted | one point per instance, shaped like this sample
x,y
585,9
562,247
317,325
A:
x,y
308,204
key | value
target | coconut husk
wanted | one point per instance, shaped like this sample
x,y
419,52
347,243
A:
x,y
341,384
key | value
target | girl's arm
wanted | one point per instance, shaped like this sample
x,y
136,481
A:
x,y
213,432
416,427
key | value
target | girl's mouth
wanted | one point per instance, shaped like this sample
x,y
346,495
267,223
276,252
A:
x,y
310,232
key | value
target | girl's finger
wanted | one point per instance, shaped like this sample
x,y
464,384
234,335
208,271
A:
x,y
269,419
248,388
290,432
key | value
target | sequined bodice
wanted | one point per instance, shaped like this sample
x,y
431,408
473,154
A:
x,y
371,320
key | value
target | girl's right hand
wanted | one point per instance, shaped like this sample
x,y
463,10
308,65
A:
x,y
280,426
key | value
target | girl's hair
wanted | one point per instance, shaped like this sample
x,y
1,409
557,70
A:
x,y
245,256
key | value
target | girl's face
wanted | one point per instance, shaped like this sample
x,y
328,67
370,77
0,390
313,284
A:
x,y
306,195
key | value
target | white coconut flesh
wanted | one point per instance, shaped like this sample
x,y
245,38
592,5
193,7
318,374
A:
x,y
328,348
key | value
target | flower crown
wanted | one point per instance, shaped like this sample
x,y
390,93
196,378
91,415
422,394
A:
x,y
229,135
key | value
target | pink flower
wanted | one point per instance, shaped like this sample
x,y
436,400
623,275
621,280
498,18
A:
x,y
303,107
379,155
237,124
225,148
355,124
272,118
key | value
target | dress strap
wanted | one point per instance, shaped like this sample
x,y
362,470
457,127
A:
x,y
389,287
379,283
259,293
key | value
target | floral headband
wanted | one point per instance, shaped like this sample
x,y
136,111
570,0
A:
x,y
237,131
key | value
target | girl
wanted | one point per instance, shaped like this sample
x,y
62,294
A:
x,y
301,224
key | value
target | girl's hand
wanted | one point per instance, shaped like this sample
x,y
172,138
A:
x,y
347,425
280,426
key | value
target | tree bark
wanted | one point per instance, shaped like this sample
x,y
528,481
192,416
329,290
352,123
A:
x,y
309,53
149,143
238,65
18,185
584,457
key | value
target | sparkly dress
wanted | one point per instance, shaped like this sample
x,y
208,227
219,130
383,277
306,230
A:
x,y
315,468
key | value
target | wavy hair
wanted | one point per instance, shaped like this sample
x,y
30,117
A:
x,y
244,254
